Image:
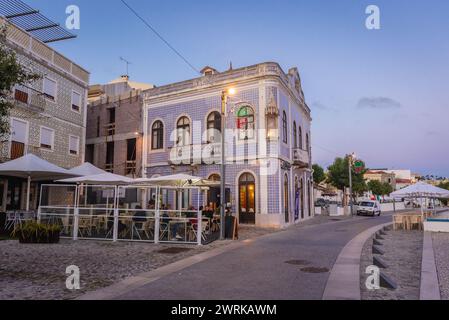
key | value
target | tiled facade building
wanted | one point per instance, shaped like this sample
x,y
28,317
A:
x,y
114,127
49,116
268,150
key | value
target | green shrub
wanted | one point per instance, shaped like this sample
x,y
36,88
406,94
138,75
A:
x,y
34,232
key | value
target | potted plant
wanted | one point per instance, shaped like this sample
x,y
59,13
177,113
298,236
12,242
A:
x,y
34,232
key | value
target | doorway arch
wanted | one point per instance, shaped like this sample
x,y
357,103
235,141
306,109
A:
x,y
247,198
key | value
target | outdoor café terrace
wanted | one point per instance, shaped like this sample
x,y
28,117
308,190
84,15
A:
x,y
88,203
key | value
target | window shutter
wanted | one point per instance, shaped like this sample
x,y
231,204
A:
x,y
46,138
76,101
49,87
73,144
19,131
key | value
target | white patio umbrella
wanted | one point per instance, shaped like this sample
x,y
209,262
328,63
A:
x,y
421,190
103,179
175,180
179,180
86,169
32,167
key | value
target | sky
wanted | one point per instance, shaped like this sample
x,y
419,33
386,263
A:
x,y
383,94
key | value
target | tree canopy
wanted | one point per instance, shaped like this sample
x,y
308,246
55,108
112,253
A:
x,y
318,174
379,188
338,176
12,73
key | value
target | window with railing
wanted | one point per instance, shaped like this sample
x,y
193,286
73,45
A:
x,y
21,96
110,127
131,164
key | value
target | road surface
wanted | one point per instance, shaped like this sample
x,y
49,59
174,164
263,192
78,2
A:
x,y
259,270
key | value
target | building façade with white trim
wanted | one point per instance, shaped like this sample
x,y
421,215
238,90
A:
x,y
268,135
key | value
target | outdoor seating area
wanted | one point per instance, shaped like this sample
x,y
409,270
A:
x,y
418,220
410,220
89,203
129,213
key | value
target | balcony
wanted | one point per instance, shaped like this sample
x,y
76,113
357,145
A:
x,y
207,153
301,158
29,99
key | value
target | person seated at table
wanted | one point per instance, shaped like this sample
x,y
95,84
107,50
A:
x,y
151,205
208,212
166,219
139,215
121,226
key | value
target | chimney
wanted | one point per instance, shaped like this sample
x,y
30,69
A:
x,y
125,77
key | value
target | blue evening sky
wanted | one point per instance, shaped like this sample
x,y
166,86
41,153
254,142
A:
x,y
383,94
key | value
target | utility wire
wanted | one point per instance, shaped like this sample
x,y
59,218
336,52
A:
x,y
160,36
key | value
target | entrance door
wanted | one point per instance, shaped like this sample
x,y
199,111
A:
x,y
247,199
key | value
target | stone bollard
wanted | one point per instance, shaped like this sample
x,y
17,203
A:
x,y
377,250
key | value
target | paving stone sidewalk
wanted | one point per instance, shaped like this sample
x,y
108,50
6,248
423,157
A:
x,y
441,250
403,254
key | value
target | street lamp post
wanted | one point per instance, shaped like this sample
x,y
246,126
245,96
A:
x,y
350,160
224,102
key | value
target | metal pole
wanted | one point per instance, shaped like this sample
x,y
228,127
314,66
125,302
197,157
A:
x,y
28,193
350,185
223,168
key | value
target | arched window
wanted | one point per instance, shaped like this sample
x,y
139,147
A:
x,y
300,138
245,122
307,142
295,137
247,198
213,194
213,127
157,135
214,177
284,127
183,131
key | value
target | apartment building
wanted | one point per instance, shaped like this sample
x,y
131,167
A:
x,y
49,115
114,126
268,140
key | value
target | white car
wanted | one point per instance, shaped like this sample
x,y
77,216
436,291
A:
x,y
369,208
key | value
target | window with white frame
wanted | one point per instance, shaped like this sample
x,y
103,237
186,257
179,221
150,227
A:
x,y
245,122
47,138
19,131
76,101
74,145
49,88
19,137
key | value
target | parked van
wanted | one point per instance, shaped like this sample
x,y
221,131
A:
x,y
369,208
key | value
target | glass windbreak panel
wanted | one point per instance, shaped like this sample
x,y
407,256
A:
x,y
56,196
63,220
96,196
96,223
137,211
